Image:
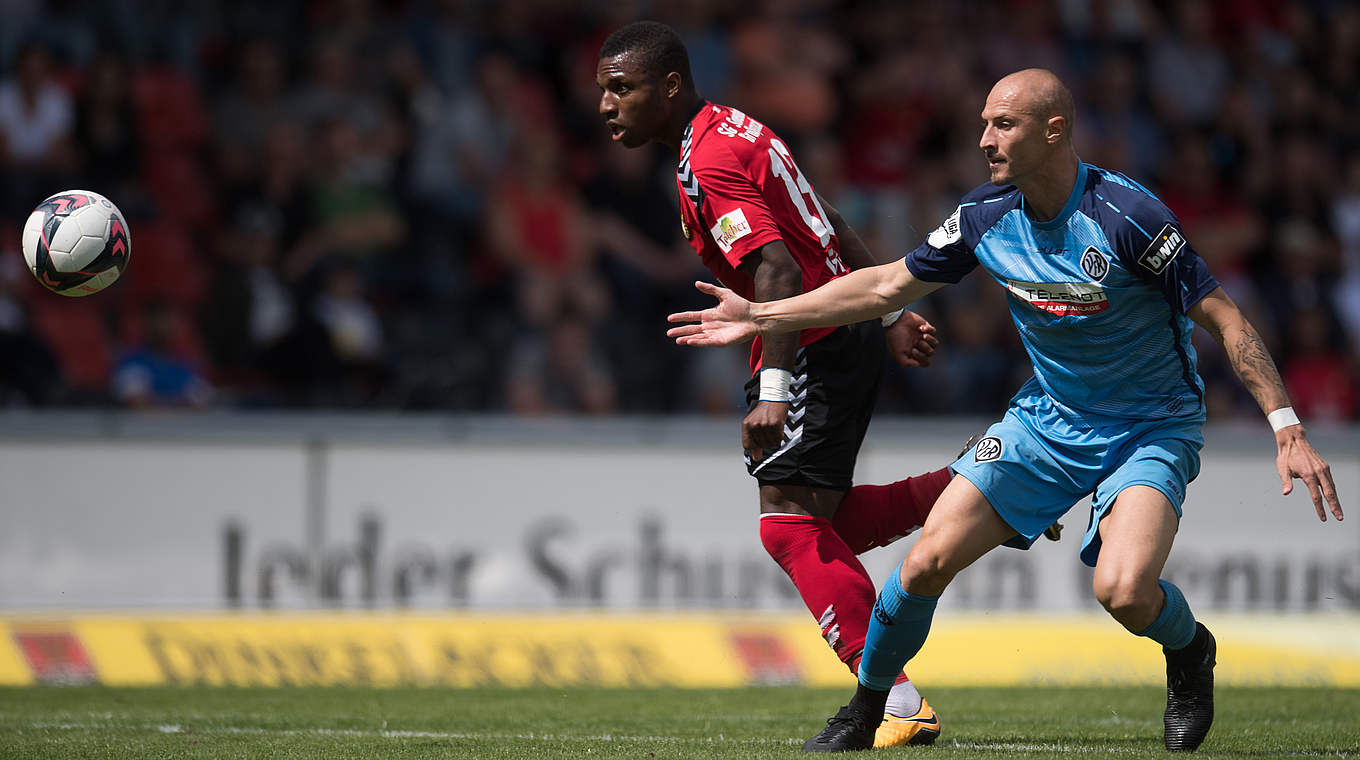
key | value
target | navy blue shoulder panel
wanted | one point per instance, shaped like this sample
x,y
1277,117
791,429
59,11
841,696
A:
x,y
947,253
984,206
1147,238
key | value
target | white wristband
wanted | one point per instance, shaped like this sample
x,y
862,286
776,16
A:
x,y
891,317
774,384
1282,418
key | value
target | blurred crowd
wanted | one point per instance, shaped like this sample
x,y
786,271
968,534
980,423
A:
x,y
415,205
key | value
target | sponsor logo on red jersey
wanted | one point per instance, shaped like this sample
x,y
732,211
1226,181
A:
x,y
730,228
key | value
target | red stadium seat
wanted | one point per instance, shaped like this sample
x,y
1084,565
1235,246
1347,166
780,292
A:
x,y
179,185
74,329
163,266
170,110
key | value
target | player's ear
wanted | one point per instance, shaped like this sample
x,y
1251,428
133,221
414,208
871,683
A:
x,y
1057,129
672,84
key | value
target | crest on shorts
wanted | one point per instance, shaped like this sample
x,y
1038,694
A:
x,y
1094,264
988,449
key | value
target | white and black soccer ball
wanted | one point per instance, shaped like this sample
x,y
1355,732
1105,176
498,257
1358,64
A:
x,y
76,243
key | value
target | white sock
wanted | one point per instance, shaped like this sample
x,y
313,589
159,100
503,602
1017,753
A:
x,y
903,700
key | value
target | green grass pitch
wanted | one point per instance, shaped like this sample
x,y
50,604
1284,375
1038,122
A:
x,y
78,722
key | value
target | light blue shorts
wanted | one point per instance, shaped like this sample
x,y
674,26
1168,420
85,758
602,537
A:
x,y
1036,463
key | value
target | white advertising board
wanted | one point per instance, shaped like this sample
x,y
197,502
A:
x,y
125,522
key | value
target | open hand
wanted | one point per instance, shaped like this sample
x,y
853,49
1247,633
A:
x,y
723,325
1298,459
911,340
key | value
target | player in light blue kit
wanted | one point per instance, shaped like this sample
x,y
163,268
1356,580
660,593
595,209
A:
x,y
1105,291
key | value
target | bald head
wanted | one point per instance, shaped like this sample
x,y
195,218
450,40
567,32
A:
x,y
1039,93
1027,134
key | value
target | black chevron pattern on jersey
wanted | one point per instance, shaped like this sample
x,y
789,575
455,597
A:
x,y
686,175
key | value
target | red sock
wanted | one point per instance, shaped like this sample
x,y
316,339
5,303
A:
x,y
871,516
834,585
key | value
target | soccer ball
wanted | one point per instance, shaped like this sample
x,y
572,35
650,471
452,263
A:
x,y
76,243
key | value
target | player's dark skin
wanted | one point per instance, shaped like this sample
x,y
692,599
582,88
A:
x,y
640,108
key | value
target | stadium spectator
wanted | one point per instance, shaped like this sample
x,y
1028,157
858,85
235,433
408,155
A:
x,y
332,90
354,335
376,131
155,372
107,136
29,375
1117,130
633,225
1316,372
249,108
560,369
35,114
536,228
36,120
1346,221
783,68
446,34
975,364
250,314
352,208
464,148
1188,65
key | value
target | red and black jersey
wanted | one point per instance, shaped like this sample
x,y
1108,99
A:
x,y
741,189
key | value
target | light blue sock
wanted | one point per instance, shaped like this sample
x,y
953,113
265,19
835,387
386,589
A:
x,y
1175,626
897,629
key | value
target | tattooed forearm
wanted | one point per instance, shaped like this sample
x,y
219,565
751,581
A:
x,y
1257,370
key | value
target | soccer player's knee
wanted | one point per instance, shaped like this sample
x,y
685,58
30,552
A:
x,y
926,571
1127,597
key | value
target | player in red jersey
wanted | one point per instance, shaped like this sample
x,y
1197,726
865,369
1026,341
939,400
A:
x,y
757,224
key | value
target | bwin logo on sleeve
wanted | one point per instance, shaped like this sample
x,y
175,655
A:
x,y
1163,249
988,449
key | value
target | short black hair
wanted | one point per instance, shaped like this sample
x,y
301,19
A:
x,y
657,48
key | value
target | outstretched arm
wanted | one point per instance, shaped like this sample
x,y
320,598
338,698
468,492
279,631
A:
x,y
860,295
1296,457
911,338
852,248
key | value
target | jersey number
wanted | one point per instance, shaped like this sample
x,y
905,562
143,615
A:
x,y
784,167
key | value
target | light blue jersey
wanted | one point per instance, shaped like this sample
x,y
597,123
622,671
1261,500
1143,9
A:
x,y
1099,296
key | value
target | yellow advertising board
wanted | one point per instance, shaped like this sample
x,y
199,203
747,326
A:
x,y
672,650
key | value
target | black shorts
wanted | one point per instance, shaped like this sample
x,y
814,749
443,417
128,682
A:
x,y
835,385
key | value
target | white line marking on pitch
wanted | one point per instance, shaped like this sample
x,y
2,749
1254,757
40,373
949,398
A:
x,y
175,728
